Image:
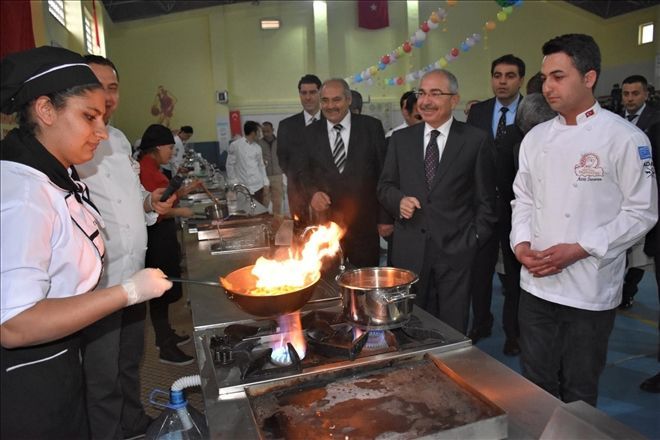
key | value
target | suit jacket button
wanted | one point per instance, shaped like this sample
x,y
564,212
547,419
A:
x,y
423,231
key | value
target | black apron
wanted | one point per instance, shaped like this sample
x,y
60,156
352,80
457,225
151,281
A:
x,y
42,392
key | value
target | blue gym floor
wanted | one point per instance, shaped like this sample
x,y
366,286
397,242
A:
x,y
631,358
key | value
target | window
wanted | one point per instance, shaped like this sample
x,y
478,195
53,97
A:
x,y
89,32
56,9
645,33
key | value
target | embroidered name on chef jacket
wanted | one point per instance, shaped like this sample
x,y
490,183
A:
x,y
588,168
644,152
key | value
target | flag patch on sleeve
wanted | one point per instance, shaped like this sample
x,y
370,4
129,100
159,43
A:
x,y
644,152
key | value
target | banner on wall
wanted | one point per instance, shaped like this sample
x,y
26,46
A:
x,y
235,123
372,14
16,25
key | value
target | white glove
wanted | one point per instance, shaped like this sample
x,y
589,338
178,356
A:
x,y
145,285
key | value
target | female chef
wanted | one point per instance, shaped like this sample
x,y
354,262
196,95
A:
x,y
163,251
51,249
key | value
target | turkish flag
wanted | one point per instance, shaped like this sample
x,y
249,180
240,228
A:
x,y
235,123
16,25
372,14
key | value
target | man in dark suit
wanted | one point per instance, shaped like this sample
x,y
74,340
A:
x,y
343,160
493,115
439,183
289,142
635,93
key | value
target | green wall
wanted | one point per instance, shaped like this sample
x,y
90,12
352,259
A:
x,y
195,53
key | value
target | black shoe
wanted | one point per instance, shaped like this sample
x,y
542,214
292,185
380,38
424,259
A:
x,y
652,384
181,339
511,347
479,333
171,354
626,303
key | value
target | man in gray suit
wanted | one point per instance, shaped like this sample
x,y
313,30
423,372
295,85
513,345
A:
x,y
438,181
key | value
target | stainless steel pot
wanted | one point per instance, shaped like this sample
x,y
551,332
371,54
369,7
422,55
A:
x,y
217,211
377,297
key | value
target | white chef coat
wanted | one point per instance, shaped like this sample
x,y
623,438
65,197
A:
x,y
112,177
245,164
44,252
594,184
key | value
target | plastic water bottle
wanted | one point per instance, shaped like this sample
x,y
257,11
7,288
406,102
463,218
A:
x,y
178,421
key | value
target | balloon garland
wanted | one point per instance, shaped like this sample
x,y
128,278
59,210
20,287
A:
x,y
417,41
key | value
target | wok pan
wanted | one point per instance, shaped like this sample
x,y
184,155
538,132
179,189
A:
x,y
240,281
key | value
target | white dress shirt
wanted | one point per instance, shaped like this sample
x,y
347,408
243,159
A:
x,y
309,118
245,164
43,253
398,127
593,184
441,139
345,132
113,179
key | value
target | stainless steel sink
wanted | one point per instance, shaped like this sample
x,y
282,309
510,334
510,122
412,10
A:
x,y
240,238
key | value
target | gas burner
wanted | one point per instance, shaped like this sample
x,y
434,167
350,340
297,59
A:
x,y
261,366
376,340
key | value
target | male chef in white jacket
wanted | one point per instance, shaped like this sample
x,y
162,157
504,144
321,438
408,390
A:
x,y
585,192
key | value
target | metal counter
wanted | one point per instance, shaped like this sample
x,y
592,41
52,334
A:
x,y
529,408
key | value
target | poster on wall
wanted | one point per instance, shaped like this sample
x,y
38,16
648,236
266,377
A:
x,y
222,131
162,107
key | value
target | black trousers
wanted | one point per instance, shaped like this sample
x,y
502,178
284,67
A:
x,y
563,349
511,287
444,291
163,252
131,350
481,289
100,348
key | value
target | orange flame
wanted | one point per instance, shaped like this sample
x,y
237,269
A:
x,y
301,270
291,331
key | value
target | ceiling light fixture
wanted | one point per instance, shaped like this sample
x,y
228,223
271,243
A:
x,y
269,23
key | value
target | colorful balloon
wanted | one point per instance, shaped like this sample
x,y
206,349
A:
x,y
424,27
420,35
508,10
454,52
357,78
434,17
373,70
452,2
433,25
501,16
385,59
443,62
477,37
465,47
381,66
442,14
490,25
406,47
399,81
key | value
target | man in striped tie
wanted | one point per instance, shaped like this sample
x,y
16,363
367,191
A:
x,y
344,158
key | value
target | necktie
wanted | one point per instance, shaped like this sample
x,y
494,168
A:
x,y
631,117
338,151
431,158
501,124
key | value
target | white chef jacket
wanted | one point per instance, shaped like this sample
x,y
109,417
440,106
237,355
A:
x,y
43,252
112,177
245,164
594,184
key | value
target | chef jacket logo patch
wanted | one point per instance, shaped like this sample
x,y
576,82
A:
x,y
588,169
644,152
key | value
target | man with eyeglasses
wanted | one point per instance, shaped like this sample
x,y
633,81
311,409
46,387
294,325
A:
x,y
438,182
507,75
289,142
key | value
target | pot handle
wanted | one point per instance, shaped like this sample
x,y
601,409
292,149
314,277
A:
x,y
399,296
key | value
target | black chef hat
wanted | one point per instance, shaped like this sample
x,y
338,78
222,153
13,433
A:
x,y
32,73
156,135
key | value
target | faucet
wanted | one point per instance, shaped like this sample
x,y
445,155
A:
x,y
244,189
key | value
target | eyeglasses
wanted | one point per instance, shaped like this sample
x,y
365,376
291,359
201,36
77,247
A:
x,y
432,94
